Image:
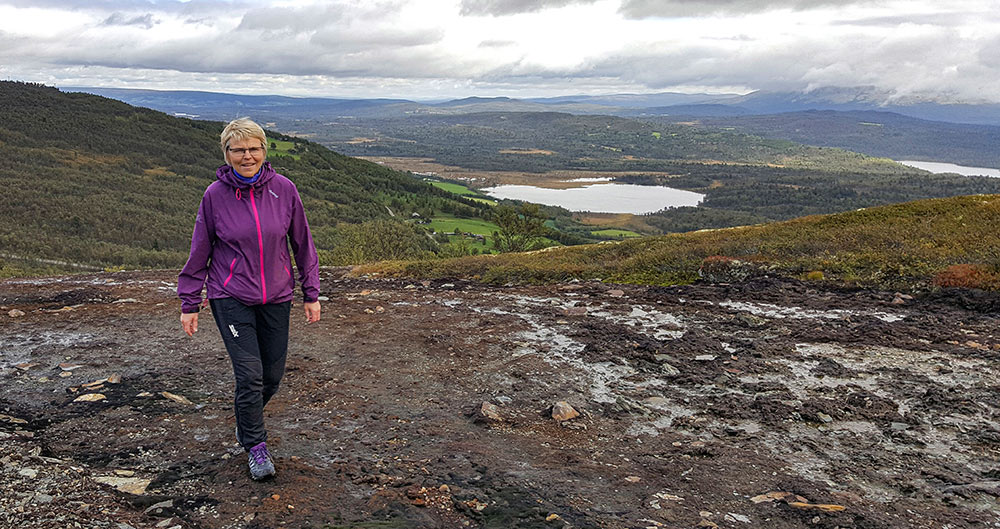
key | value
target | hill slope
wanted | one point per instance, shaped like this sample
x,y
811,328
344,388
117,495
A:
x,y
898,246
95,181
874,133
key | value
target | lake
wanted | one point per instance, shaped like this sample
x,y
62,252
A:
x,y
941,167
601,198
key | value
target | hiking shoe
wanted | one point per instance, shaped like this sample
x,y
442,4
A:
x,y
259,459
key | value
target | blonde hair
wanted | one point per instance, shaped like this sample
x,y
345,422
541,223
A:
x,y
241,129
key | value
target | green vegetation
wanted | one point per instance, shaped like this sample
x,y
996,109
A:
x,y
461,190
450,223
746,177
873,133
899,246
610,233
519,229
94,181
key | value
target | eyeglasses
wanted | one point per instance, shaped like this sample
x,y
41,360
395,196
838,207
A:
x,y
254,151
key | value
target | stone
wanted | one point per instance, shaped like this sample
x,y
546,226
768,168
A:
x,y
705,358
633,479
15,313
616,293
90,397
115,379
562,411
28,473
65,374
135,486
490,411
144,394
164,523
69,366
42,498
737,517
575,311
26,366
161,505
824,417
669,370
125,473
175,398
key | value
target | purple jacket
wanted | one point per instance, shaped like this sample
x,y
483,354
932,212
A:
x,y
240,244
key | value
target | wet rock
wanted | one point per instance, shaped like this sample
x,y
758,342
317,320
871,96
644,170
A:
x,y
159,506
562,411
28,473
722,269
733,517
705,358
90,397
824,417
669,370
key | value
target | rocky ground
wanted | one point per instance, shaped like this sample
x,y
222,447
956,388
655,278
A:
x,y
770,404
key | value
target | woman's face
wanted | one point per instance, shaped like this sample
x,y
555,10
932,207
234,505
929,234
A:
x,y
246,156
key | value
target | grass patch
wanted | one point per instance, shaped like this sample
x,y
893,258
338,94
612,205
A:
x,y
448,224
461,190
901,246
282,148
615,233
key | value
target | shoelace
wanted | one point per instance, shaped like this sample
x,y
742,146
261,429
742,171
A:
x,y
259,454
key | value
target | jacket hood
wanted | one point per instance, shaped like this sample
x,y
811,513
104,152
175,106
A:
x,y
227,175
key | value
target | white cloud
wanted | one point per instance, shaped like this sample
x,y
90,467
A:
x,y
522,47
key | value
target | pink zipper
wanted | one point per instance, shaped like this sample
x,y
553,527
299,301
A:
x,y
231,265
260,244
287,272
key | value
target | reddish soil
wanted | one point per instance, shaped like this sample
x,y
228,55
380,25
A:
x,y
875,409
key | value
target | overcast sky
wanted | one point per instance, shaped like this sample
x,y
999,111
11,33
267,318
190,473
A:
x,y
946,50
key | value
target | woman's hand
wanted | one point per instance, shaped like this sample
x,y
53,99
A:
x,y
189,321
312,311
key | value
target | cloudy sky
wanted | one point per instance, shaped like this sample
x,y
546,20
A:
x,y
945,50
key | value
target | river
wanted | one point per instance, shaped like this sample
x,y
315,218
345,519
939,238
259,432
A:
x,y
601,198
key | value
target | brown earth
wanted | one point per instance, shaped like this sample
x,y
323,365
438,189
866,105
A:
x,y
877,410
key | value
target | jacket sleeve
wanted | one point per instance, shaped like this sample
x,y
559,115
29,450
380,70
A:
x,y
192,276
305,251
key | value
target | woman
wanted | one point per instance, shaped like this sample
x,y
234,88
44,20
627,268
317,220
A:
x,y
239,251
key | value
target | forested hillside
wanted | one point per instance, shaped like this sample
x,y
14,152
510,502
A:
x,y
873,133
95,181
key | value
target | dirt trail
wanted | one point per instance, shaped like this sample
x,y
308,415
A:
x,y
871,410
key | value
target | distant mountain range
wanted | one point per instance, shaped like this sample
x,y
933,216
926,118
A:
x,y
210,105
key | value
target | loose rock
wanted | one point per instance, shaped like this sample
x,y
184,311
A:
x,y
562,411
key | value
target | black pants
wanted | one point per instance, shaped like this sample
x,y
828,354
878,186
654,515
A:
x,y
256,337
